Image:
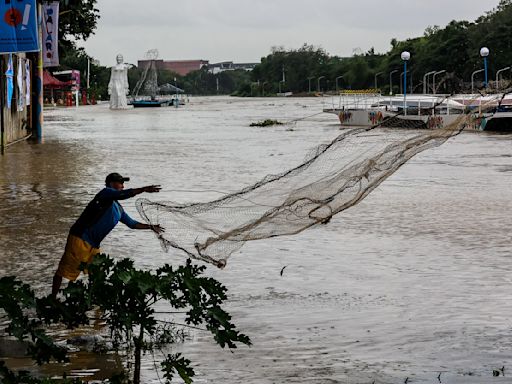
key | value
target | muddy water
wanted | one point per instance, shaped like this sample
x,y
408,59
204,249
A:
x,y
413,281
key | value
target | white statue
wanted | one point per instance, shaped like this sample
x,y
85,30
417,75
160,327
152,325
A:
x,y
118,86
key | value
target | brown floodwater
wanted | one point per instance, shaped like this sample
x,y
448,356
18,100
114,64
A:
x,y
413,281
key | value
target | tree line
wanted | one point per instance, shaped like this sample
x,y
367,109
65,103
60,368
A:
x,y
454,49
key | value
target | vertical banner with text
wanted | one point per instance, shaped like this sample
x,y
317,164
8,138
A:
x,y
18,26
50,34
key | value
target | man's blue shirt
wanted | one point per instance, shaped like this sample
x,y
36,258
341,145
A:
x,y
101,216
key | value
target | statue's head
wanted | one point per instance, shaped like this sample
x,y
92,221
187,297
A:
x,y
119,59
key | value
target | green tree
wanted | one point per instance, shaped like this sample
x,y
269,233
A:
x,y
126,297
77,21
299,65
453,48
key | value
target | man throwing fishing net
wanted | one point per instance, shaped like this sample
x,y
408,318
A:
x,y
97,220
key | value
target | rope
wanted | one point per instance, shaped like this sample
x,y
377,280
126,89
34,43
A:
x,y
303,118
17,141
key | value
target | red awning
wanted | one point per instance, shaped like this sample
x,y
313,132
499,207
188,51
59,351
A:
x,y
51,82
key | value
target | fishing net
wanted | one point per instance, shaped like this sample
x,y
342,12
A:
x,y
332,178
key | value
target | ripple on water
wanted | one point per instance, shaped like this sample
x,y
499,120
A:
x,y
413,281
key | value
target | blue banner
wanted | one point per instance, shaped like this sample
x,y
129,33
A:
x,y
18,26
9,74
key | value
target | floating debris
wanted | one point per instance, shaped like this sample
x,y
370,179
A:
x,y
266,123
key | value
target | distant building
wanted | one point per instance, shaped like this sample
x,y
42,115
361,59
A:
x,y
181,67
230,66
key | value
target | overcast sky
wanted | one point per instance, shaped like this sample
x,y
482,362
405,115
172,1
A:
x,y
245,30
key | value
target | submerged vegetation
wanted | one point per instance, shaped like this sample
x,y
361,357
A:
x,y
266,123
124,297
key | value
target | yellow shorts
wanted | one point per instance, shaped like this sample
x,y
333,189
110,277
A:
x,y
77,251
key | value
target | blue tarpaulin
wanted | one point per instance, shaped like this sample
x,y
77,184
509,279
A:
x,y
18,26
9,74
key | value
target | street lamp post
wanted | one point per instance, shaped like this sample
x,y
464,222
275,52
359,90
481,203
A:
x,y
318,82
434,80
339,77
377,75
484,52
405,56
176,101
425,81
391,81
498,76
309,80
281,82
473,79
401,81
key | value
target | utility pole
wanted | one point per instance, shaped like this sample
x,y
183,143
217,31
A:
x,y
377,75
434,80
283,79
37,99
318,82
309,79
425,81
88,72
2,123
177,100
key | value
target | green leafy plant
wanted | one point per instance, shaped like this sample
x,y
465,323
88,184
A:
x,y
125,297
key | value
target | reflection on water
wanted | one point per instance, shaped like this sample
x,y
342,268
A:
x,y
87,350
40,190
413,281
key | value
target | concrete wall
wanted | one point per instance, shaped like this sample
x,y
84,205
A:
x,y
16,124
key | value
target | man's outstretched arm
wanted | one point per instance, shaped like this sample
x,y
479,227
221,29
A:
x,y
148,189
113,194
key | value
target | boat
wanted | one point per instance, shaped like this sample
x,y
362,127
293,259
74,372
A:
x,y
355,110
497,115
419,111
425,111
151,103
148,86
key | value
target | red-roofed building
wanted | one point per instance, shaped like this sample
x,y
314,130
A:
x,y
181,67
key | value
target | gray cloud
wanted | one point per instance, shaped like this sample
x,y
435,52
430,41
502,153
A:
x,y
244,30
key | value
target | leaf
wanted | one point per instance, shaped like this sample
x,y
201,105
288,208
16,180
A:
x,y
180,365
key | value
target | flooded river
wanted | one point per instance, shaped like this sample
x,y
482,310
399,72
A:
x,y
414,281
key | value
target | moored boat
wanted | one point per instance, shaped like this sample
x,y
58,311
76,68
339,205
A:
x,y
148,84
492,112
150,103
